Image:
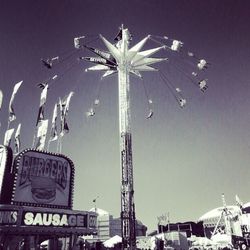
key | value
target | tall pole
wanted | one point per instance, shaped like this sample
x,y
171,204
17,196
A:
x,y
122,60
127,187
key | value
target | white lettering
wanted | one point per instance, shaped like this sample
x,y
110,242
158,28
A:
x,y
50,219
56,220
28,218
101,53
101,60
47,218
64,220
8,217
14,216
38,220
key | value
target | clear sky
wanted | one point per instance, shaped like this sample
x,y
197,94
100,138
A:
x,y
183,158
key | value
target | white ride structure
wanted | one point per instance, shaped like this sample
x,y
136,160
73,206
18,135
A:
x,y
122,60
229,227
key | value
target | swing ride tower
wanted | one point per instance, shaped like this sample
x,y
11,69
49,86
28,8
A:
x,y
124,61
127,186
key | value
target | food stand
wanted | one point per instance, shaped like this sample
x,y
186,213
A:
x,y
36,197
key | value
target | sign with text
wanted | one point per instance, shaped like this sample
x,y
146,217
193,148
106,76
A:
x,y
43,179
29,219
54,219
8,217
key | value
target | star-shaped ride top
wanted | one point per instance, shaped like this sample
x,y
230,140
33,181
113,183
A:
x,y
119,55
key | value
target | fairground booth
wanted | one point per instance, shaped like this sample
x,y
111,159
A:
x,y
36,196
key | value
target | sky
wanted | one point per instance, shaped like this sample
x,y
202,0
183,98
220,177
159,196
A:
x,y
183,159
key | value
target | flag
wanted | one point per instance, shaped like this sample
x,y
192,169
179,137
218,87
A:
x,y
61,105
41,134
64,109
163,220
17,139
43,97
238,201
118,37
94,200
12,115
1,98
53,132
7,137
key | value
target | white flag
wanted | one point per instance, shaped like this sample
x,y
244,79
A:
x,y
64,125
238,201
8,136
67,102
17,139
64,109
43,98
53,132
12,115
41,134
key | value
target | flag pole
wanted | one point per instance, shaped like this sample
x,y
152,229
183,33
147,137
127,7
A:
x,y
34,138
8,125
61,145
57,145
48,145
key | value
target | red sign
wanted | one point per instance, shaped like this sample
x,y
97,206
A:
x,y
43,179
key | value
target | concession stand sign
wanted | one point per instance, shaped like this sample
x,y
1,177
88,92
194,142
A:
x,y
22,219
43,179
39,202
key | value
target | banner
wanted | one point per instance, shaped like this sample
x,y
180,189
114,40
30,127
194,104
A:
x,y
43,97
53,132
17,139
238,201
64,109
41,134
12,115
8,136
